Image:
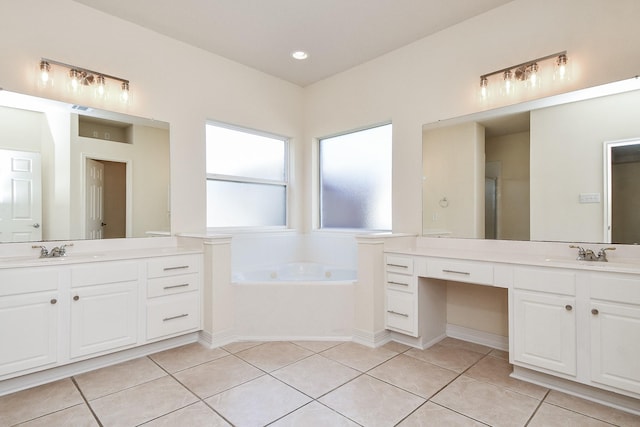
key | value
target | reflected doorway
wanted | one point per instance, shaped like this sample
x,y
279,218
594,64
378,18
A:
x,y
105,199
622,178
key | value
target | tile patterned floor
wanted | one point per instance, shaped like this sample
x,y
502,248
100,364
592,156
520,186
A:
x,y
307,384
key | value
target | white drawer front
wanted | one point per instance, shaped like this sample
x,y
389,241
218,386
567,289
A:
x,y
172,285
173,314
618,288
554,280
401,282
399,264
461,271
173,265
100,273
24,280
400,315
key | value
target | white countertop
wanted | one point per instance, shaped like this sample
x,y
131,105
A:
x,y
615,265
85,257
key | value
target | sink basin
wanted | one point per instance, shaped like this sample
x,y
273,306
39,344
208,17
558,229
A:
x,y
37,260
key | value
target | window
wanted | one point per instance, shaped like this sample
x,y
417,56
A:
x,y
246,178
355,180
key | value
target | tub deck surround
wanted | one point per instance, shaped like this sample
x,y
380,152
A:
x,y
573,325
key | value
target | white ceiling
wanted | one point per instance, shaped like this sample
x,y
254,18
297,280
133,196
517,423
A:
x,y
337,34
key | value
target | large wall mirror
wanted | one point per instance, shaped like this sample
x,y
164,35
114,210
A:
x,y
69,172
564,168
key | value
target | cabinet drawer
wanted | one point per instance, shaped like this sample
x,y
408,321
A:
x,y
26,280
399,264
173,314
401,282
400,313
545,280
173,266
461,271
172,285
100,273
624,289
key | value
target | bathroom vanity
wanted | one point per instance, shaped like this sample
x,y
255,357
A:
x,y
573,325
62,310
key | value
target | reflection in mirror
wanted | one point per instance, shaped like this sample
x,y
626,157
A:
x,y
533,171
622,178
69,172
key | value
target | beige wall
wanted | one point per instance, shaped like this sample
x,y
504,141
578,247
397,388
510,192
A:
x,y
625,179
453,169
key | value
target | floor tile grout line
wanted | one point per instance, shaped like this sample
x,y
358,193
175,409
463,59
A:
x,y
200,399
535,411
86,401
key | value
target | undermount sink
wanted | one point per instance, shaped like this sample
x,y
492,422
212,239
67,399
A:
x,y
36,259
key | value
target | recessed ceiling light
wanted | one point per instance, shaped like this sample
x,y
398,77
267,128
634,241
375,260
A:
x,y
300,54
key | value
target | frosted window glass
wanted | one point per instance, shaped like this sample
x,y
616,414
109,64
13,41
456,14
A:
x,y
239,204
237,153
355,180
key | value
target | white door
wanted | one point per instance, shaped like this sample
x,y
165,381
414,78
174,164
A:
x,y
20,196
103,318
94,209
545,331
28,331
615,334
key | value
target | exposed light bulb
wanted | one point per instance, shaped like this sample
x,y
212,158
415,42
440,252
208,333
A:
x,y
484,88
561,71
45,69
534,78
124,94
508,82
75,79
101,86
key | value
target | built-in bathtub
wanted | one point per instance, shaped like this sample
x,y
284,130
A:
x,y
298,273
294,287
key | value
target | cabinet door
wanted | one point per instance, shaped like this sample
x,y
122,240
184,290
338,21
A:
x,y
545,331
28,331
615,345
103,318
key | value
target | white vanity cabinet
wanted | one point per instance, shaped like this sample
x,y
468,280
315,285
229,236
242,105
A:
x,y
614,320
57,312
29,318
544,319
173,298
401,302
104,307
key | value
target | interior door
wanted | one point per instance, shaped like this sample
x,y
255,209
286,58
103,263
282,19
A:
x,y
94,209
20,196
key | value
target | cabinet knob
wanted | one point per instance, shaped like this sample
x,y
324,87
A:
x,y
568,307
594,311
76,298
53,301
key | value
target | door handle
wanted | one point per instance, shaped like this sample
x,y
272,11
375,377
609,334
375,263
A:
x,y
36,225
102,224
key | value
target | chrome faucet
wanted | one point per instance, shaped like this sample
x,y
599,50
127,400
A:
x,y
56,252
589,255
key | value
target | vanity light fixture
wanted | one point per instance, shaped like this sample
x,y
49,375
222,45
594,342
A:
x,y
80,78
526,76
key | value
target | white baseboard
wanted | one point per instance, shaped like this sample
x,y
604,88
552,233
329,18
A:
x,y
370,339
479,337
23,382
604,397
